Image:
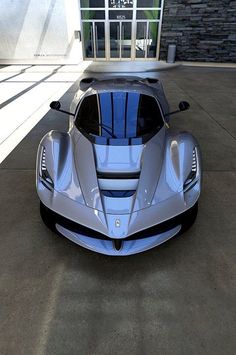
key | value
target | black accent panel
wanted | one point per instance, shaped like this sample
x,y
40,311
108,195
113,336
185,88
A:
x,y
118,175
70,225
117,244
118,193
185,220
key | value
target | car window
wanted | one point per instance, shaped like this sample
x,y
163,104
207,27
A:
x,y
88,115
119,115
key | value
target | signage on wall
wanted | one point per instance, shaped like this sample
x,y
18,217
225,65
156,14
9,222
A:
x,y
121,3
120,17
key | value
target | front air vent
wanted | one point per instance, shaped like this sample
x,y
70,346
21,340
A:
x,y
117,244
118,193
118,175
152,80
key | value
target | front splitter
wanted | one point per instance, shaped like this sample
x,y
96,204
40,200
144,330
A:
x,y
128,247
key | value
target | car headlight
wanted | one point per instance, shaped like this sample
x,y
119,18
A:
x,y
192,176
45,176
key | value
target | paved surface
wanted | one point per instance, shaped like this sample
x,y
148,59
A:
x,y
130,66
25,94
57,298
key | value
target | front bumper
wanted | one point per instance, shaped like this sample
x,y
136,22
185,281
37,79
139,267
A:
x,y
128,246
135,243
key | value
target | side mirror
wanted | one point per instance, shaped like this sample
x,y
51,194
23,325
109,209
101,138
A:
x,y
55,105
184,105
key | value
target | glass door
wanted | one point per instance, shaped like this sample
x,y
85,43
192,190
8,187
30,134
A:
x,y
146,39
121,29
99,34
141,40
94,39
88,43
152,35
120,39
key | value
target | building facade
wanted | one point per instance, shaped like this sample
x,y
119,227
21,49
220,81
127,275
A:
x,y
114,30
121,29
203,30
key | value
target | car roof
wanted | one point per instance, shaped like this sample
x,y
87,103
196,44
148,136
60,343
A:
x,y
146,86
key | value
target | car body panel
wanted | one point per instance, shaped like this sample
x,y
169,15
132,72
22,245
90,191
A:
x,y
106,247
76,166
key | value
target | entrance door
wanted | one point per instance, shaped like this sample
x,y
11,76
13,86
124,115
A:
x,y
120,39
94,39
146,39
121,29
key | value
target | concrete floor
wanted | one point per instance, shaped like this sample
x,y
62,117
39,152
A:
x,y
57,298
25,94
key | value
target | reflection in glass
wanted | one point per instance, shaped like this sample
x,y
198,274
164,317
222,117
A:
x,y
146,39
120,39
126,34
92,3
148,14
152,40
94,39
88,39
141,39
149,3
89,15
99,28
114,39
123,114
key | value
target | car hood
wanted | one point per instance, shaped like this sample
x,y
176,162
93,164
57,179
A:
x,y
101,168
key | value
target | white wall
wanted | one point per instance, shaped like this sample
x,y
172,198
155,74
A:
x,y
39,31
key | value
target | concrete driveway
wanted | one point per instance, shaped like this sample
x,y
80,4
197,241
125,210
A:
x,y
57,298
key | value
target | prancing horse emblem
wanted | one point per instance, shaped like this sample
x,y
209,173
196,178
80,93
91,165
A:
x,y
117,223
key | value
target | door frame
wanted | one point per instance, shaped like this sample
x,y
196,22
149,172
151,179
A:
x,y
120,32
93,40
146,38
133,21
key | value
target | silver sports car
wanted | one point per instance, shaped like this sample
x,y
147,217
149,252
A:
x,y
120,181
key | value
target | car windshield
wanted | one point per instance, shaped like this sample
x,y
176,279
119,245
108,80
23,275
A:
x,y
119,115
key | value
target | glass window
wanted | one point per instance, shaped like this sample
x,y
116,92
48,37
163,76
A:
x,y
88,116
149,116
119,115
148,14
120,15
88,39
99,28
92,3
148,3
152,40
89,15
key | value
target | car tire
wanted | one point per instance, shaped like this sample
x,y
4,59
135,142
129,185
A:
x,y
47,217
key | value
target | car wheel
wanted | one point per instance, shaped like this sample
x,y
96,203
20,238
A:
x,y
47,217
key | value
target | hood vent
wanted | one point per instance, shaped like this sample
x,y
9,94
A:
x,y
118,193
118,175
